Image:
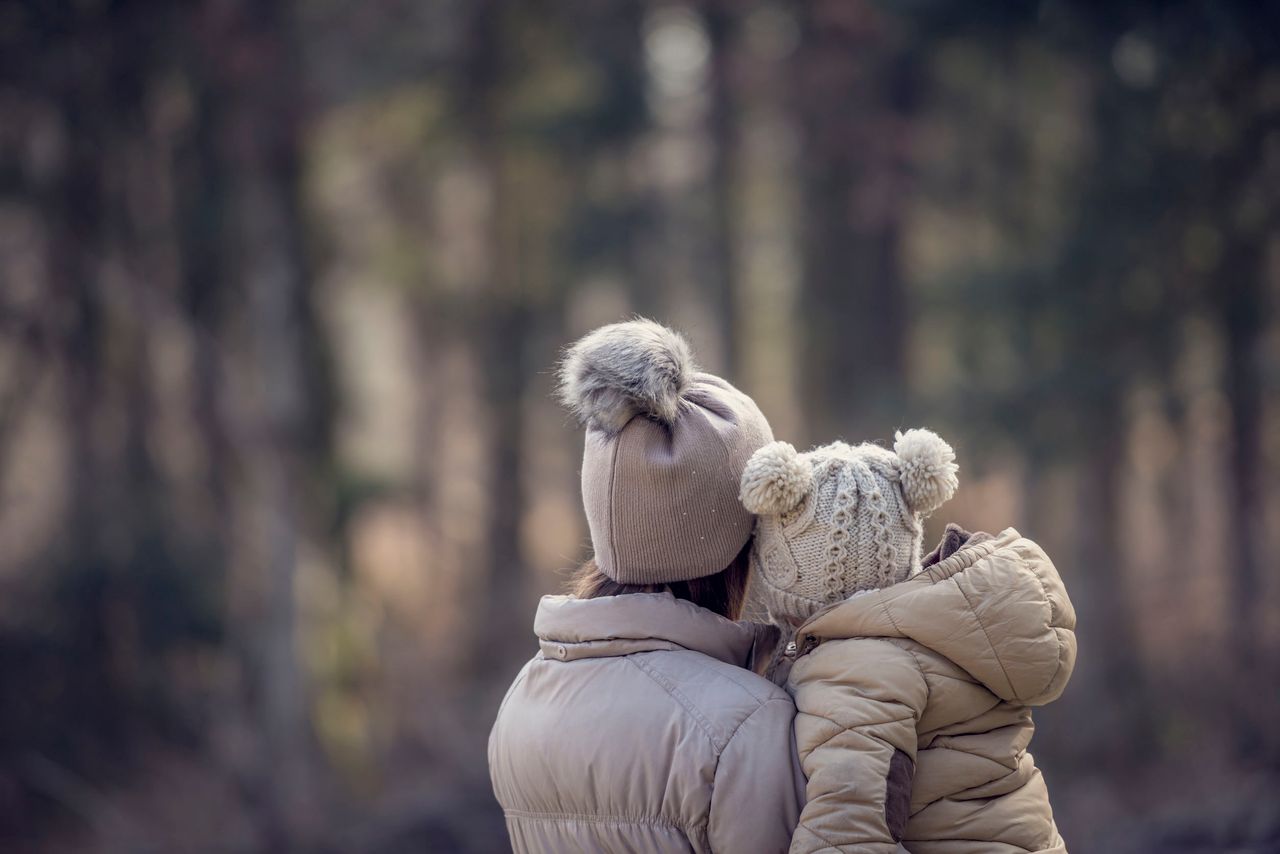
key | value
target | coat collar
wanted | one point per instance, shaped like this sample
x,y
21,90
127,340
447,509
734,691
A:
x,y
569,628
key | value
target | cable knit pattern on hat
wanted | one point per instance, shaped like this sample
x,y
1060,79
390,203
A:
x,y
855,527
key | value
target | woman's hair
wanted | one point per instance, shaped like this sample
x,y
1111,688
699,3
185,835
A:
x,y
724,592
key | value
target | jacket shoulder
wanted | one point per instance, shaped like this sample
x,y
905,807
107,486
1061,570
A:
x,y
718,696
666,716
876,668
1017,597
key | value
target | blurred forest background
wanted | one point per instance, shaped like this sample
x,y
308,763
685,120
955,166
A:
x,y
282,285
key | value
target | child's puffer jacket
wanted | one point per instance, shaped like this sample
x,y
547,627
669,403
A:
x,y
912,707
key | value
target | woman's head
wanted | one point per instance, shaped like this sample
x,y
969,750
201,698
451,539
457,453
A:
x,y
664,452
723,592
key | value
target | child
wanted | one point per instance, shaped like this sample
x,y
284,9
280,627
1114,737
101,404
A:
x,y
912,677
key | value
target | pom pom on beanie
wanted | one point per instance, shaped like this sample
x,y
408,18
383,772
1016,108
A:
x,y
623,370
928,469
775,480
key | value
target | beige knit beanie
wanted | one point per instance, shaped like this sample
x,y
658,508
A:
x,y
665,448
840,519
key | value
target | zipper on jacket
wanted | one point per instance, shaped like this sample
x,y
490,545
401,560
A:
x,y
794,650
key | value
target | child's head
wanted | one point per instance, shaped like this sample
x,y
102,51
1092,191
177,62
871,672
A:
x,y
840,519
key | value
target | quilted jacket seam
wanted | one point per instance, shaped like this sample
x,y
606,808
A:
x,y
681,700
715,773
657,821
1056,634
994,652
815,834
843,729
748,717
928,689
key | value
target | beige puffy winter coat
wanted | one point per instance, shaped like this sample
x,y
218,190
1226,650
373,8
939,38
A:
x,y
636,728
933,675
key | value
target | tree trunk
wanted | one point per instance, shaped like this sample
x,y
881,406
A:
x,y
1109,671
723,139
859,97
265,242
503,332
1243,319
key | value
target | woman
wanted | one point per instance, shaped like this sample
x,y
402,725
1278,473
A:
x,y
637,726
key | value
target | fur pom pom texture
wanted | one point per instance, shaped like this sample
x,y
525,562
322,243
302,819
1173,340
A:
x,y
775,480
928,469
623,370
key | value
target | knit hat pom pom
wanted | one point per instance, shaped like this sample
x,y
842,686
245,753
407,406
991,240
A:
x,y
775,480
928,469
623,370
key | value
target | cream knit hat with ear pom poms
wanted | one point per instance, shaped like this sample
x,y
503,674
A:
x,y
839,519
664,452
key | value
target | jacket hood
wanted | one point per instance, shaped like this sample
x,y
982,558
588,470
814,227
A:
x,y
996,608
569,628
